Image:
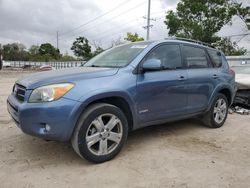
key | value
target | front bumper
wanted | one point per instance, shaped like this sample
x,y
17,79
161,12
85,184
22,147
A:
x,y
32,118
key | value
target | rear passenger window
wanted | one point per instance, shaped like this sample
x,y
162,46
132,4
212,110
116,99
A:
x,y
215,57
195,57
168,54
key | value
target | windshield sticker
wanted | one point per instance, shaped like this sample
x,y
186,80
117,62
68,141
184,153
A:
x,y
139,46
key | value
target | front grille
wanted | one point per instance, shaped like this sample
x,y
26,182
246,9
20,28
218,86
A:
x,y
19,92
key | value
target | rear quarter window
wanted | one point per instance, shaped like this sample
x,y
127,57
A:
x,y
215,57
224,62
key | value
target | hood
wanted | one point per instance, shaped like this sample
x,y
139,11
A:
x,y
242,81
65,75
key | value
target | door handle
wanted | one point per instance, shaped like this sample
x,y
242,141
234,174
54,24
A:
x,y
215,76
182,78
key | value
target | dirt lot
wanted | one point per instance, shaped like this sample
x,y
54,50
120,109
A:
x,y
182,154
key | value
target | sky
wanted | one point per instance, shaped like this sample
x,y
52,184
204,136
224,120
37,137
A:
x,y
33,22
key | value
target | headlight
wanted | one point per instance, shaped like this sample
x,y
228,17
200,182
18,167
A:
x,y
50,92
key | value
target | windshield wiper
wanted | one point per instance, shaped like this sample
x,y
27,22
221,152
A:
x,y
104,66
94,66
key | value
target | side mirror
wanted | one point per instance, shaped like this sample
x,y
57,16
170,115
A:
x,y
152,65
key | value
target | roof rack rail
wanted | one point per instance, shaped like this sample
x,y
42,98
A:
x,y
191,40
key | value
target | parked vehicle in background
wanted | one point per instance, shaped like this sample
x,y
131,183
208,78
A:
x,y
46,68
122,89
242,79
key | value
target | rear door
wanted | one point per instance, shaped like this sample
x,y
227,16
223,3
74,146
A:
x,y
202,77
162,94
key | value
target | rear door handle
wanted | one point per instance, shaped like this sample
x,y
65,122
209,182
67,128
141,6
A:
x,y
215,76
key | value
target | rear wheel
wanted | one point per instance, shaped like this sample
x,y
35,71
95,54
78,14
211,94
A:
x,y
101,132
217,114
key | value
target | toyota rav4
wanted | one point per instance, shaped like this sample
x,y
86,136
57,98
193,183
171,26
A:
x,y
122,89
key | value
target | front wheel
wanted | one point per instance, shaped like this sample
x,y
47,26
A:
x,y
100,133
217,114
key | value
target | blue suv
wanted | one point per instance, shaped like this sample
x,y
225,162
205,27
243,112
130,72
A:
x,y
123,89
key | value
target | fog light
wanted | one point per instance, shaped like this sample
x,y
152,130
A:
x,y
47,128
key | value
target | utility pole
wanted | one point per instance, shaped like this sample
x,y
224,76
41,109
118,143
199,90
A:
x,y
57,39
148,19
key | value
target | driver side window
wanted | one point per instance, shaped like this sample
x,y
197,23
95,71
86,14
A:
x,y
169,56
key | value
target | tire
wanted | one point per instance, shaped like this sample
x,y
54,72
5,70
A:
x,y
217,114
100,133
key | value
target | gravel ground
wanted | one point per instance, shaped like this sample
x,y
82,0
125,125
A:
x,y
180,154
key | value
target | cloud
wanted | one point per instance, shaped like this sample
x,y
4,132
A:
x,y
168,3
35,22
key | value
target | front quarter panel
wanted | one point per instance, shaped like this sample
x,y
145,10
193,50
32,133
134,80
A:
x,y
121,85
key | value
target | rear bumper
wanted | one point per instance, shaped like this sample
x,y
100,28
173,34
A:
x,y
32,118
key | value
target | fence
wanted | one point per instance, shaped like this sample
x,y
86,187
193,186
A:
x,y
232,60
238,60
56,65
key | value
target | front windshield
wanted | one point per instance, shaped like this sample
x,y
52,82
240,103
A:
x,y
241,69
117,57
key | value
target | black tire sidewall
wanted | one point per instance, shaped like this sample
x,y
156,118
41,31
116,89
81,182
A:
x,y
213,122
85,123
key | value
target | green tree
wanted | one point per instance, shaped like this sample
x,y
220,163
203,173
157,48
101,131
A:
x,y
229,47
133,37
34,50
1,62
81,48
67,57
97,51
201,20
1,49
15,52
34,54
49,52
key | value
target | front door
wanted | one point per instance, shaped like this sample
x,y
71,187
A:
x,y
162,94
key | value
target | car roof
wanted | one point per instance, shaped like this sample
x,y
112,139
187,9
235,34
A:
x,y
178,40
189,41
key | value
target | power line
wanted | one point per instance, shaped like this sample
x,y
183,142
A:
x,y
114,17
237,35
130,21
92,20
121,30
241,38
114,33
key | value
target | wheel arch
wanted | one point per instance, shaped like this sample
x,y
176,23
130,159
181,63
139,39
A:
x,y
227,93
118,99
119,102
225,90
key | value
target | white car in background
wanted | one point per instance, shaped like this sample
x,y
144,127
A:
x,y
242,79
46,68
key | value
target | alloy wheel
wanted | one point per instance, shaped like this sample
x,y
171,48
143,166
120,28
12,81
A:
x,y
220,110
104,134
